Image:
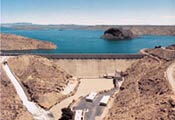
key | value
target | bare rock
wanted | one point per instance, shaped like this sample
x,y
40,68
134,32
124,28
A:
x,y
118,34
147,93
42,79
14,42
11,107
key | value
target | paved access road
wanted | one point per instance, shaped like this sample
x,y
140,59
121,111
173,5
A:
x,y
93,108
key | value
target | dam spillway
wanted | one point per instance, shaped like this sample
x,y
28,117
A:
x,y
37,112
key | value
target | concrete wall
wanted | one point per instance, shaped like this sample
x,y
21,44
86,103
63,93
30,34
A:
x,y
93,67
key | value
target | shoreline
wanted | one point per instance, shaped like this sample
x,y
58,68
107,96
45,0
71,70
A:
x,y
12,42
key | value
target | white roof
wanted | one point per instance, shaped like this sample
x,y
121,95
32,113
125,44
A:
x,y
78,114
105,99
91,96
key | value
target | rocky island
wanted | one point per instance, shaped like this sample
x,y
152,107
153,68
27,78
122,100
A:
x,y
118,34
14,42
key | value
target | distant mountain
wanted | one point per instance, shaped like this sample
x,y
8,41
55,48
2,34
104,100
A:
x,y
30,26
15,24
136,29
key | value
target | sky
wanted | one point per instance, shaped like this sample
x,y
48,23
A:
x,y
89,12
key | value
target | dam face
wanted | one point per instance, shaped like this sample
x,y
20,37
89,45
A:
x,y
89,65
93,67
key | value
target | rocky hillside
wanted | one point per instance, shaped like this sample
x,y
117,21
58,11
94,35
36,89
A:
x,y
153,30
172,47
11,107
166,54
146,93
14,42
42,79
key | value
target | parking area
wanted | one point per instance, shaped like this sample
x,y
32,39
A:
x,y
94,108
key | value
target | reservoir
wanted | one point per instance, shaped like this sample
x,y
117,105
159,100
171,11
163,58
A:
x,y
89,41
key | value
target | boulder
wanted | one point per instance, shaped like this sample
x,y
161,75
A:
x,y
117,34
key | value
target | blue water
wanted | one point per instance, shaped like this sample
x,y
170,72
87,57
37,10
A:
x,y
88,41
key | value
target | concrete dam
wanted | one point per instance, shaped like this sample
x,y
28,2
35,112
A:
x,y
93,68
90,65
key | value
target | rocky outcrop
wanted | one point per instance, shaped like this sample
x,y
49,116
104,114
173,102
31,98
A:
x,y
14,42
42,80
117,34
11,107
171,47
166,54
145,94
